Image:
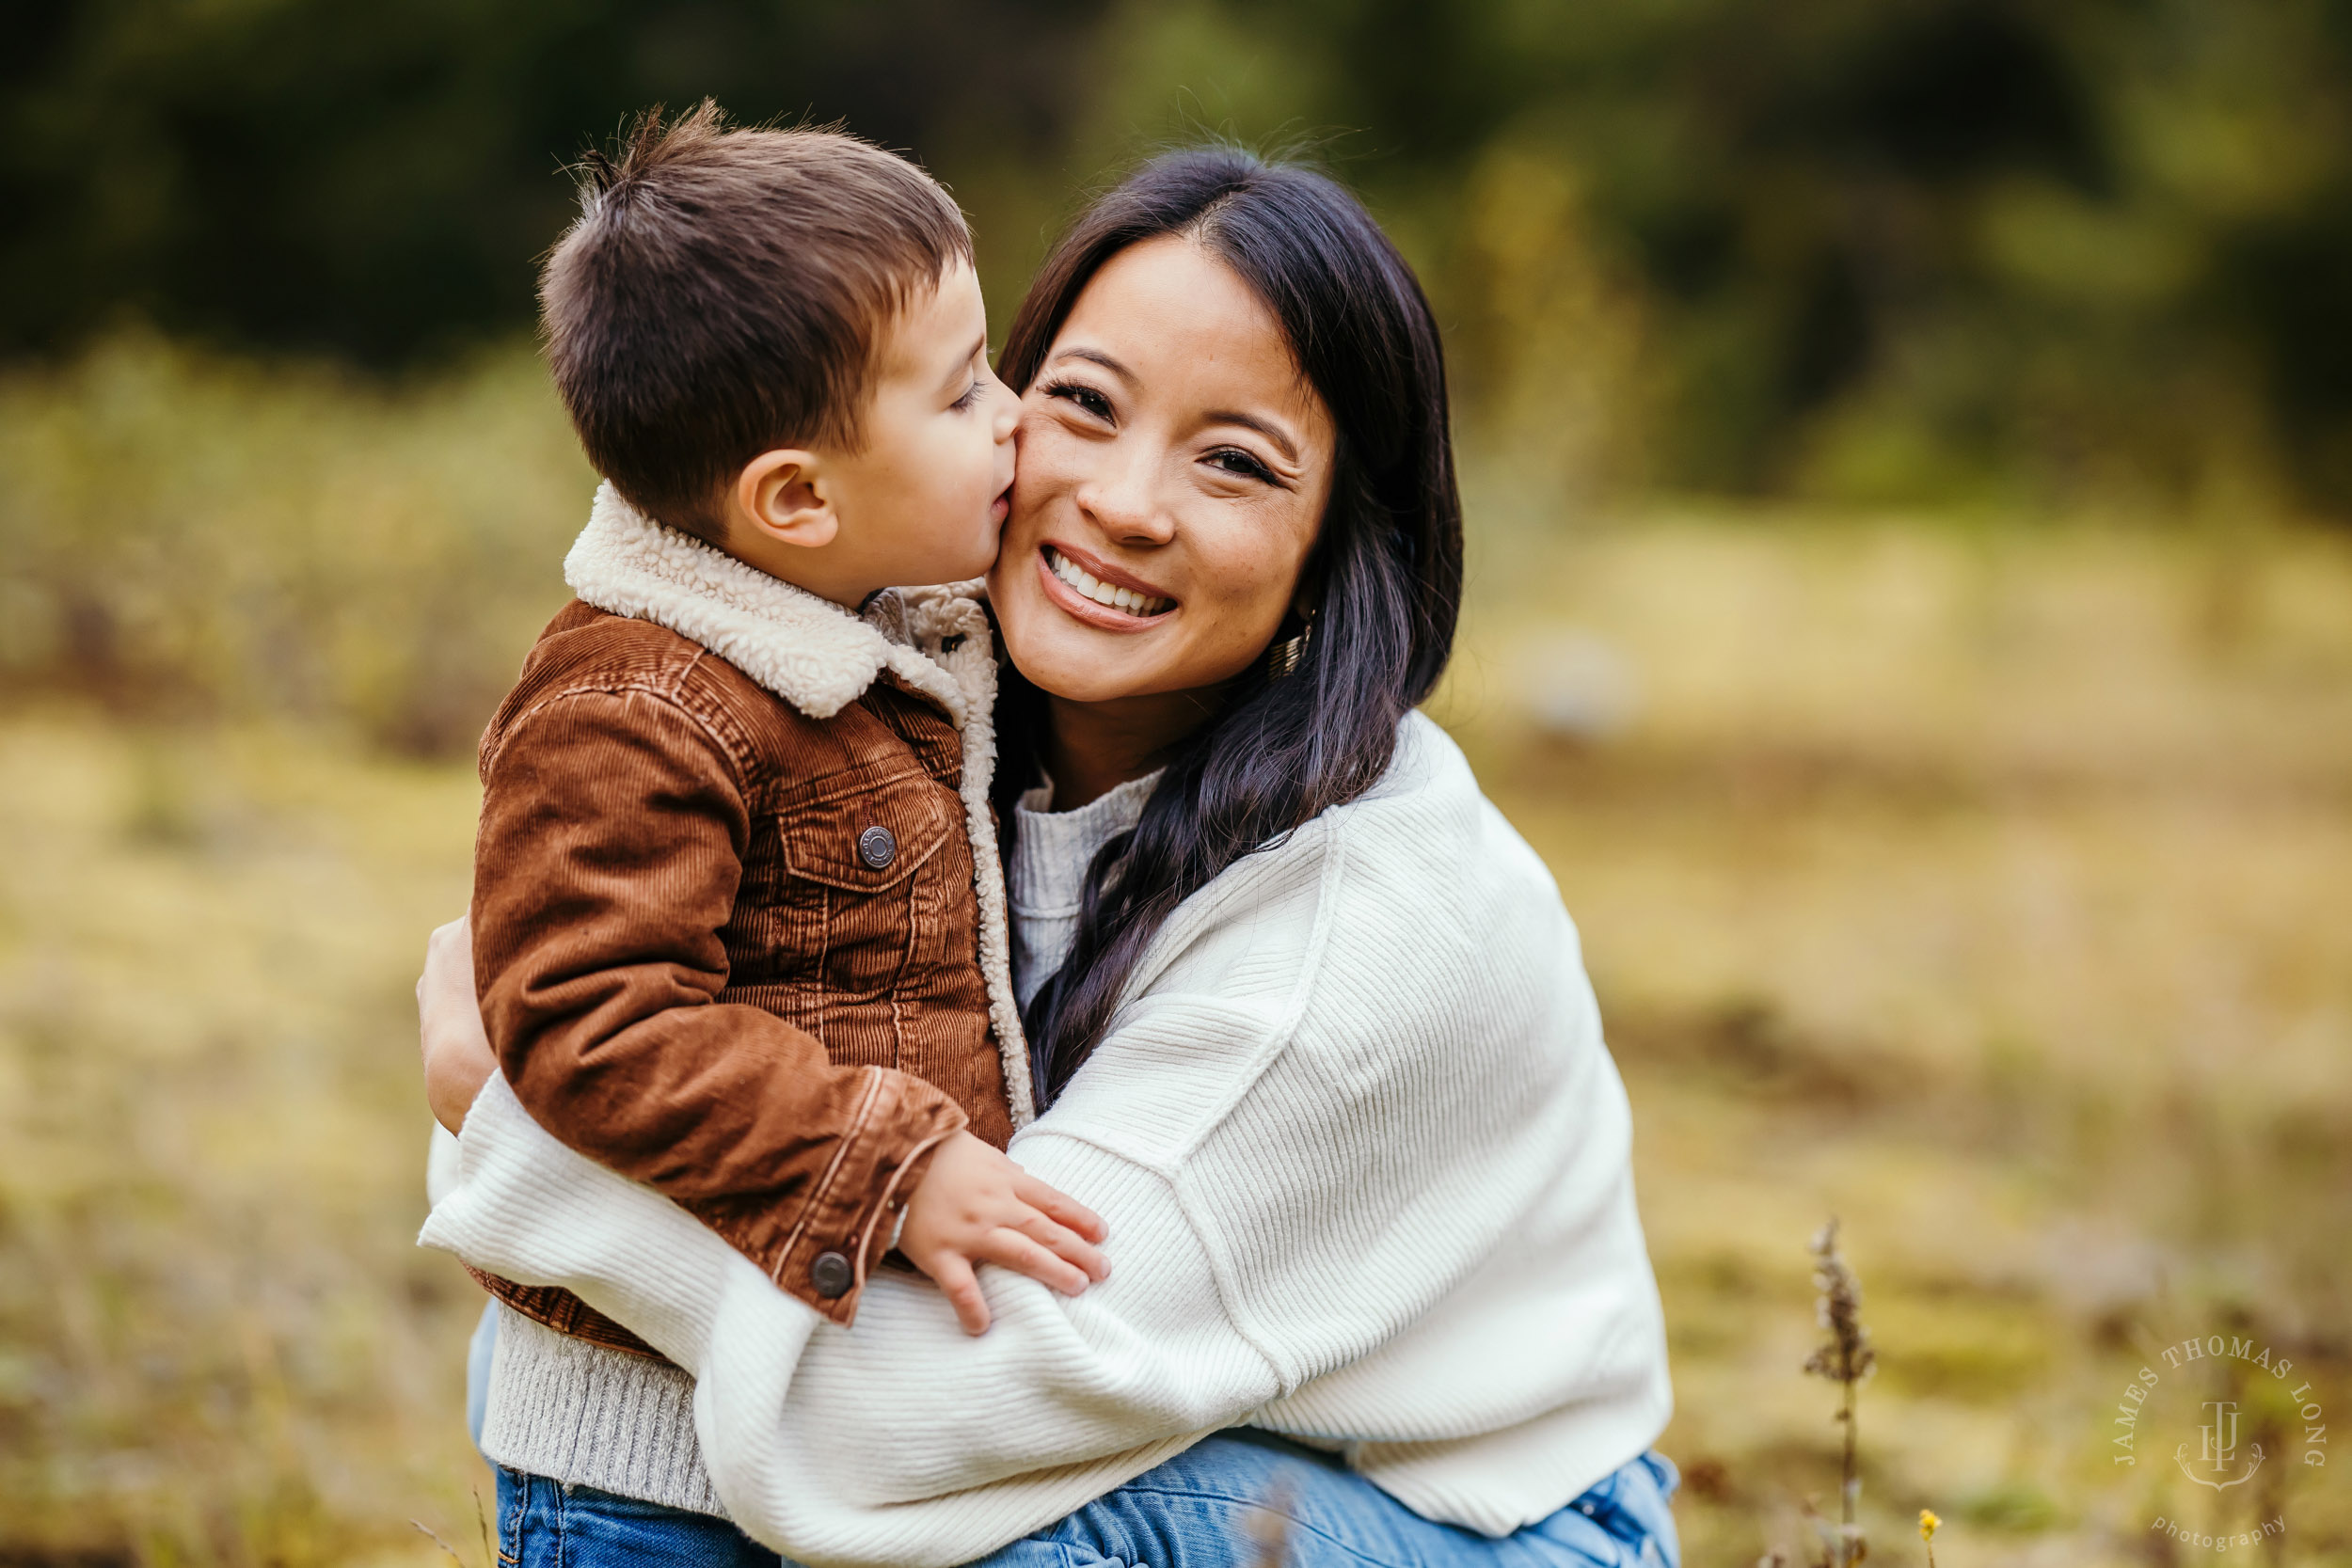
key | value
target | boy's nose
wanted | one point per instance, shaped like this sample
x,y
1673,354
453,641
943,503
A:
x,y
1008,405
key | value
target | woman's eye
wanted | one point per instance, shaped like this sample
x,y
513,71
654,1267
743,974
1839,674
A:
x,y
1085,397
1236,461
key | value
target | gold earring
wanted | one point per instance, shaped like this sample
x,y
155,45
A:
x,y
1284,658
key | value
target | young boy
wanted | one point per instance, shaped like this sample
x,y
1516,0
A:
x,y
728,936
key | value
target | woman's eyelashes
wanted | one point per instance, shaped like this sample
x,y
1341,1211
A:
x,y
1096,405
1084,396
1232,460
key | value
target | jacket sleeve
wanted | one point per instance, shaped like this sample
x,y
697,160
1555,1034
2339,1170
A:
x,y
613,830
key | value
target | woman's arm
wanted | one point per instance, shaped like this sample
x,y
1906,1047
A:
x,y
902,1441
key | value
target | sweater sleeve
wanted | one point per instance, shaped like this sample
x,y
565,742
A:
x,y
607,863
1309,1125
904,1441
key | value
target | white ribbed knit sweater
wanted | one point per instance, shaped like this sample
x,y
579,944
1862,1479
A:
x,y
1365,1162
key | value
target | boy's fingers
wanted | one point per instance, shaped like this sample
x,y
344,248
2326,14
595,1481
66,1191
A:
x,y
1024,1256
952,1274
1064,1243
1067,1209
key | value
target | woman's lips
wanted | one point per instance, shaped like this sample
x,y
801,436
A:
x,y
1079,602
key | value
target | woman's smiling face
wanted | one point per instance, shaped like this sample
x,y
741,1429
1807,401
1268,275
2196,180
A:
x,y
1174,464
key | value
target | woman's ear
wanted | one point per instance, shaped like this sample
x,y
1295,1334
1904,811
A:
x,y
782,495
1307,598
1314,576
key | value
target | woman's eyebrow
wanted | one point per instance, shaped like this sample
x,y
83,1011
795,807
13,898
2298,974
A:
x,y
1096,356
1252,421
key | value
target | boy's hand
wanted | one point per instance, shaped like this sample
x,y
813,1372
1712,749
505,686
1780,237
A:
x,y
975,1206
457,1056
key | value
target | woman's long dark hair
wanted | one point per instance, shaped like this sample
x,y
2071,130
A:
x,y
1385,576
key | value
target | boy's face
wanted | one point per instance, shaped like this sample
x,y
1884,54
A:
x,y
925,495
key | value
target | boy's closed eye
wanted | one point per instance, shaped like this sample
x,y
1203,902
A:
x,y
974,377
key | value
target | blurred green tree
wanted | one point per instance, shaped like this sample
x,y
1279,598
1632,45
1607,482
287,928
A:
x,y
1905,249
377,180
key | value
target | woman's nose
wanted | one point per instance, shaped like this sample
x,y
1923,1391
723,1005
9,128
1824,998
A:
x,y
1125,505
1127,514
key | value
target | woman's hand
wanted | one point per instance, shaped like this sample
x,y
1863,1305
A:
x,y
457,1056
975,1205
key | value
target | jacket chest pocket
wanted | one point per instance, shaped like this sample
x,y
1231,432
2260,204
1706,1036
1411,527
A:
x,y
862,876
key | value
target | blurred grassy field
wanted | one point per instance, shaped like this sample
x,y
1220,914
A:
x,y
1988,888
1981,882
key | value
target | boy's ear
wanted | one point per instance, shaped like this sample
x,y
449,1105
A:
x,y
782,496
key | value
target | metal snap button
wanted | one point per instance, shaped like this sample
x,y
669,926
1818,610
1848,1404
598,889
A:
x,y
877,847
831,1273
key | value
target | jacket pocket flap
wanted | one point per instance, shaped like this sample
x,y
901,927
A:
x,y
872,840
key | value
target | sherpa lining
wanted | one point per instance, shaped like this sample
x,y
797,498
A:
x,y
821,658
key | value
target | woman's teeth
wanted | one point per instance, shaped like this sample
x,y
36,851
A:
x,y
1100,592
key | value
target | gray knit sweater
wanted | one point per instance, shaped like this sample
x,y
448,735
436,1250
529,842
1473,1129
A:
x,y
587,1416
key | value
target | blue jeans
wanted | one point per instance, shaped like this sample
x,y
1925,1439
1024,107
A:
x,y
545,1524
1223,1502
1219,1504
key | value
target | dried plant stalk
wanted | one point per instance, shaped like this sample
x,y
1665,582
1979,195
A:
x,y
1845,1358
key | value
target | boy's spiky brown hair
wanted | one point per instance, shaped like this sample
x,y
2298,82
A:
x,y
725,291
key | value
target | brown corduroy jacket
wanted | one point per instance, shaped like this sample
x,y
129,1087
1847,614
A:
x,y
728,928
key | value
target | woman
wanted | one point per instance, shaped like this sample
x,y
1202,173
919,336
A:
x,y
1309,1018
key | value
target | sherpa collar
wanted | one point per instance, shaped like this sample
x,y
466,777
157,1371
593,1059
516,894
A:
x,y
821,658
807,650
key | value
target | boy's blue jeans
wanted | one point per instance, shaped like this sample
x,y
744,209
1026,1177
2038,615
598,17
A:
x,y
1209,1507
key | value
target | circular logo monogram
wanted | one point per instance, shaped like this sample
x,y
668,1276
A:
x,y
2218,1410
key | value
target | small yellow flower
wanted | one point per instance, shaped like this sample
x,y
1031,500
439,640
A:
x,y
1927,1521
